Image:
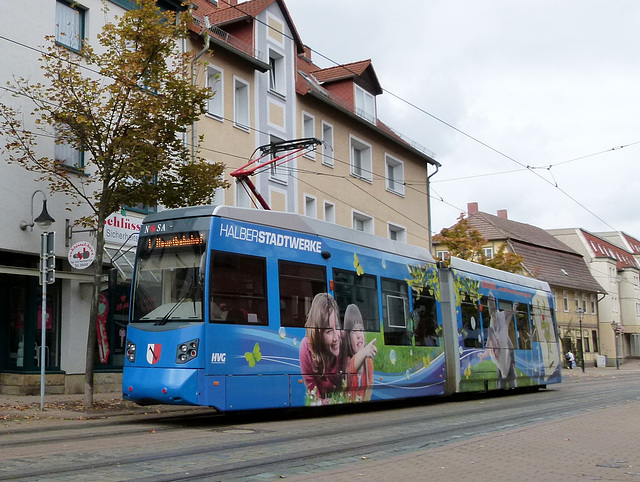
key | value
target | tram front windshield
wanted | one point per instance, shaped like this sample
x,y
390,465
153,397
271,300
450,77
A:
x,y
169,278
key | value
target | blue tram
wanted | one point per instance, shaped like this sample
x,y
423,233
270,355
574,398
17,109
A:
x,y
221,302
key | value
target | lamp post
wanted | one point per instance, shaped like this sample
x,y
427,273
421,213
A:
x,y
616,328
580,315
47,275
44,219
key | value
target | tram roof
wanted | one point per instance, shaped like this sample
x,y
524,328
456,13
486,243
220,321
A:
x,y
497,274
298,223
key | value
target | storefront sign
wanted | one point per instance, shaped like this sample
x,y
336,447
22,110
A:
x,y
122,230
81,255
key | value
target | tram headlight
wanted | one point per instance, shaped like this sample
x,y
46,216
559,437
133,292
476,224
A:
x,y
131,351
187,351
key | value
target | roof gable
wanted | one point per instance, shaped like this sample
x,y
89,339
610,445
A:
x,y
496,228
355,71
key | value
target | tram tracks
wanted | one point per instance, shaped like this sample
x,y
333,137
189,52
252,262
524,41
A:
x,y
238,450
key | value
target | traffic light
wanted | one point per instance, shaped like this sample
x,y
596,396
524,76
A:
x,y
48,258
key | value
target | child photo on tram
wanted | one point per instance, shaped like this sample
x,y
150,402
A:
x,y
320,361
359,356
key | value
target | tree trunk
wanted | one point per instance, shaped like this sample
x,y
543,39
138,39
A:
x,y
92,334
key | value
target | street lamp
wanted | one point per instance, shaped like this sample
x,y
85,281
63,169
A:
x,y
616,328
44,220
580,315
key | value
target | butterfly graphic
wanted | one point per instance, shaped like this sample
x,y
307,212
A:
x,y
253,357
356,265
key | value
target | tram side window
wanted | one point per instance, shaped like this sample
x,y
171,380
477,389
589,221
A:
x,y
486,317
425,320
507,307
349,288
471,324
299,283
238,289
395,312
523,325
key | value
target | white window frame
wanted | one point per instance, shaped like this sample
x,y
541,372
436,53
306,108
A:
x,y
397,232
327,144
243,199
310,206
442,255
365,104
277,78
593,304
362,220
329,212
488,252
215,82
394,174
70,24
241,104
308,131
361,152
565,301
68,155
278,173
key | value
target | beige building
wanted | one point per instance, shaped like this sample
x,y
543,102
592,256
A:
x,y
612,260
268,90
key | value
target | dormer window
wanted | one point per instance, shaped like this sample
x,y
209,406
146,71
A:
x,y
365,104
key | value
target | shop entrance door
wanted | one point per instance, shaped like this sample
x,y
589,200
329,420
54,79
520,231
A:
x,y
21,324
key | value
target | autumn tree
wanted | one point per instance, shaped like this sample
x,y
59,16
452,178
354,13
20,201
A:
x,y
128,104
465,242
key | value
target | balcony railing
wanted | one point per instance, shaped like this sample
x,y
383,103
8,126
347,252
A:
x,y
229,39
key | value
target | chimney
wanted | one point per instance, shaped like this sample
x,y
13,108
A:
x,y
307,52
472,208
502,213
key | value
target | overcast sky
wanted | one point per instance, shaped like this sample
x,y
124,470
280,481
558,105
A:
x,y
540,82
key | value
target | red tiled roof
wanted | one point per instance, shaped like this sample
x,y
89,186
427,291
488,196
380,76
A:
x,y
602,248
340,72
349,71
225,14
633,243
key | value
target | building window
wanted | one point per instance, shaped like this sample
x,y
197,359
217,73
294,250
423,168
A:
x,y
584,305
309,131
365,104
587,344
594,335
360,159
442,255
67,155
278,173
216,84
637,310
327,144
69,25
397,233
488,253
329,212
362,222
243,199
276,73
310,207
565,300
395,175
593,304
241,104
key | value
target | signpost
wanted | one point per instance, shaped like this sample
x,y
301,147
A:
x,y
47,276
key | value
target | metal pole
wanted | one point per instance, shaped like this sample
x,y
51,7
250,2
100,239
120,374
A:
x,y
617,356
43,320
580,315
